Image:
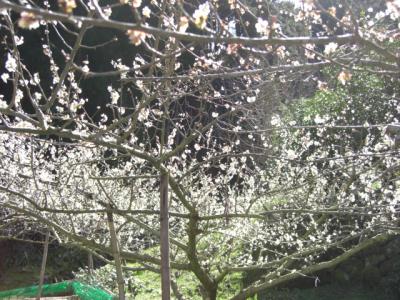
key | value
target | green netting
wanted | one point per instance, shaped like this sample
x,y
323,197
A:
x,y
56,289
85,292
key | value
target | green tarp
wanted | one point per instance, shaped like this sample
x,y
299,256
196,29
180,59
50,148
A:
x,y
85,292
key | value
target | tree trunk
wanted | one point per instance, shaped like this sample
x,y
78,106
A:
x,y
90,263
164,239
208,294
43,268
176,291
117,258
212,294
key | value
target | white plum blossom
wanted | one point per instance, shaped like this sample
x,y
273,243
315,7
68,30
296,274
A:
x,y
103,118
319,120
344,76
77,104
19,40
275,120
114,95
35,80
146,12
251,99
11,63
262,26
201,14
18,97
330,48
5,77
393,9
136,3
28,21
183,24
143,114
3,104
107,12
37,96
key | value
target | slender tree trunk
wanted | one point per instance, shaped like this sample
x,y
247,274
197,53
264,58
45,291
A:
x,y
43,268
164,239
90,263
117,258
176,291
209,285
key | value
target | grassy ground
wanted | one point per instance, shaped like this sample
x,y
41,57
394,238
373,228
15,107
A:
x,y
330,292
188,285
19,277
148,284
